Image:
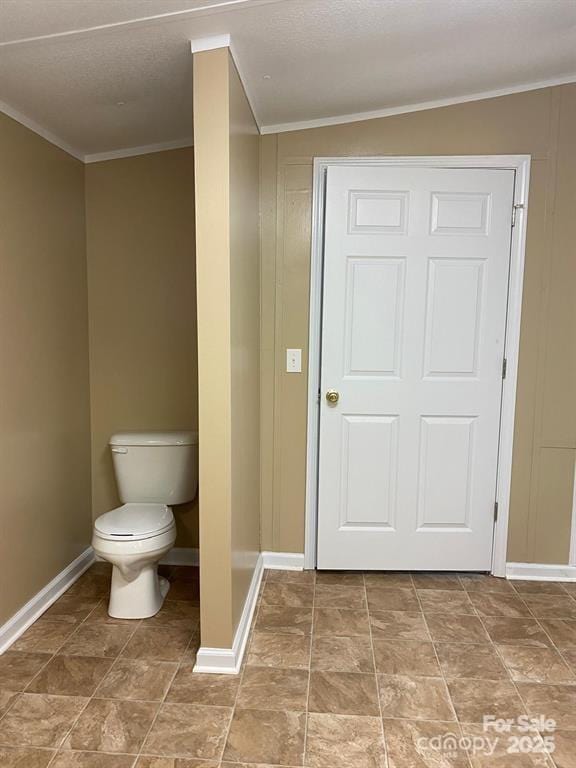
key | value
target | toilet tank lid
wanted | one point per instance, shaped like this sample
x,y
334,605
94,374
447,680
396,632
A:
x,y
167,437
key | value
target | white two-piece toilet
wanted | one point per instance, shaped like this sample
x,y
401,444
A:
x,y
154,470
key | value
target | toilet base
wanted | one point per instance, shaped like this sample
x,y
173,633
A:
x,y
139,598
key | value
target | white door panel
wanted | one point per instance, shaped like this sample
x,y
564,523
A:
x,y
414,308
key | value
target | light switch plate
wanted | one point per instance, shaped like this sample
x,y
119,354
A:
x,y
293,361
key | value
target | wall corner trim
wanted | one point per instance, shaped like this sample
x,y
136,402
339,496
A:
x,y
210,43
228,661
284,561
37,605
540,572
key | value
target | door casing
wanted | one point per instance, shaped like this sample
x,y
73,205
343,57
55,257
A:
x,y
518,163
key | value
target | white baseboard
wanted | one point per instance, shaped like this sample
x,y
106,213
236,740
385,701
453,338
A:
x,y
227,661
35,607
182,556
540,572
285,561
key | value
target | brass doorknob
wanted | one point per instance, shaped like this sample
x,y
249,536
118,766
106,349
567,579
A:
x,y
332,396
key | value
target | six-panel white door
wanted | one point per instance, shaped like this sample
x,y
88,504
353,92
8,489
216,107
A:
x,y
416,267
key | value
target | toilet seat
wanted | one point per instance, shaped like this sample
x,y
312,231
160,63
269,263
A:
x,y
134,522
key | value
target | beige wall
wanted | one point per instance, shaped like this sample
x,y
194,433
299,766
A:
x,y
540,123
226,172
44,389
142,308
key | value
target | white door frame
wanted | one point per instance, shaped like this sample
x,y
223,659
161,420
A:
x,y
518,163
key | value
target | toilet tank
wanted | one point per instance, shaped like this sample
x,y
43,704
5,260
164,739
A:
x,y
156,467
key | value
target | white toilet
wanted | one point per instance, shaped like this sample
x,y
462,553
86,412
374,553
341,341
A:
x,y
153,470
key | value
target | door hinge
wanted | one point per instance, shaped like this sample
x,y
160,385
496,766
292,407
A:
x,y
495,511
504,367
516,207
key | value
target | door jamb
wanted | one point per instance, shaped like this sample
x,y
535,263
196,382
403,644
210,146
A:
x,y
518,163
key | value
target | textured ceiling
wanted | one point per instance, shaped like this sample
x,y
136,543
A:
x,y
103,75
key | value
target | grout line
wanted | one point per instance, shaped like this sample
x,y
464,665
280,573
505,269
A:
x,y
307,711
384,744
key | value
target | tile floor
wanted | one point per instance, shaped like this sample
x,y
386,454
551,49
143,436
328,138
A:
x,y
342,671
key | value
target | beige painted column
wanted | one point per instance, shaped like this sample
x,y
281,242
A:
x,y
212,180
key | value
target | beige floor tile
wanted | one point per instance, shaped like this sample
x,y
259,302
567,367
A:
x,y
564,754
288,594
100,615
570,588
344,741
492,748
184,591
394,599
283,651
175,615
137,679
562,631
555,701
405,657
569,655
265,688
97,640
190,687
506,631
284,620
388,579
260,736
293,577
17,668
66,759
340,596
421,744
71,676
537,587
24,757
71,609
340,622
414,698
536,665
456,629
399,624
342,654
7,698
424,580
190,731
551,606
157,644
470,661
44,637
480,582
91,584
475,699
490,604
178,762
343,693
340,578
112,726
450,602
38,720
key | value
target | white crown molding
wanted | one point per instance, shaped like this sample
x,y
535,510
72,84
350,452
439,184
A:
x,y
32,125
172,16
145,149
37,605
209,43
418,107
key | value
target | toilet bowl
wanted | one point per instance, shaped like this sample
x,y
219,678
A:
x,y
134,538
153,470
